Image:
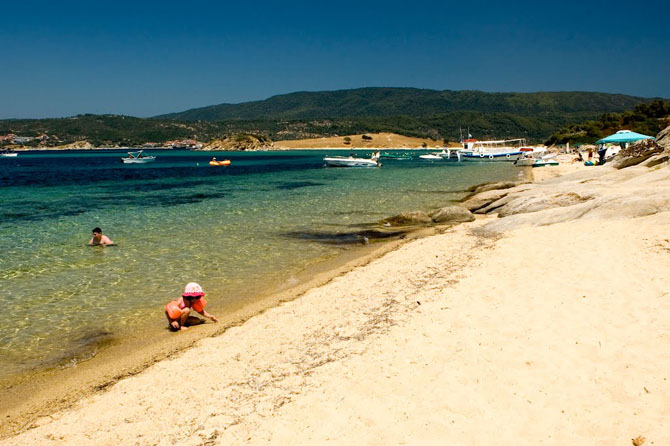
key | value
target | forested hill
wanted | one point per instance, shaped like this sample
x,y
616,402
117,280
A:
x,y
384,102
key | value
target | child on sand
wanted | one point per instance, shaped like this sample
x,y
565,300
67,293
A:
x,y
178,312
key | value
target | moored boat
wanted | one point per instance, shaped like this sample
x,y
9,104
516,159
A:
x,y
431,157
137,158
9,153
351,161
494,150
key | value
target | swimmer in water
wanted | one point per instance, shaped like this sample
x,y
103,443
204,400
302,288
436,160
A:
x,y
99,239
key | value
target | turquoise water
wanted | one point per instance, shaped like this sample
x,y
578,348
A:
x,y
235,230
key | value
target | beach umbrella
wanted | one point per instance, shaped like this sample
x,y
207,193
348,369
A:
x,y
623,136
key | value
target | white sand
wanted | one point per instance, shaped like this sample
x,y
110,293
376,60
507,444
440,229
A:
x,y
548,335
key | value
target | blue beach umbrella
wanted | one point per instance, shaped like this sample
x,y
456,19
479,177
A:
x,y
623,136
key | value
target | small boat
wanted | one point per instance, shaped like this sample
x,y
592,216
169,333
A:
x,y
541,162
431,157
351,161
526,158
214,162
396,156
137,158
9,153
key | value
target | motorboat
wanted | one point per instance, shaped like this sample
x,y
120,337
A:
x,y
526,158
9,153
431,157
137,158
352,161
214,162
546,161
396,156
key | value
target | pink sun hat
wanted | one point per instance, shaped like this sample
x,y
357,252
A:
x,y
193,290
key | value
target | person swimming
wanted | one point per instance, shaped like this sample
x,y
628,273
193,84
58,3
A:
x,y
99,239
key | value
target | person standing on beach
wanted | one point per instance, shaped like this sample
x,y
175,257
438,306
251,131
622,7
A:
x,y
99,239
178,312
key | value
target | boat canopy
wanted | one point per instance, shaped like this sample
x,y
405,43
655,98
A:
x,y
623,136
501,141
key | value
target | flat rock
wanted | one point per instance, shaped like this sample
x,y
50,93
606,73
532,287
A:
x,y
452,214
538,202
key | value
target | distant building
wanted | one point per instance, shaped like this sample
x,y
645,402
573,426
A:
x,y
184,144
22,139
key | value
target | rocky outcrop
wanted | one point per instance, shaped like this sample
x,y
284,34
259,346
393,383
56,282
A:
x,y
451,214
483,200
499,185
80,145
637,186
636,154
239,142
527,203
663,139
409,219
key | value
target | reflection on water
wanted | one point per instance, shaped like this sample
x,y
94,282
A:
x,y
234,230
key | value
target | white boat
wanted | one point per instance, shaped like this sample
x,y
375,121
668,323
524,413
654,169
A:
x,y
545,161
431,157
137,158
497,150
352,161
8,154
526,158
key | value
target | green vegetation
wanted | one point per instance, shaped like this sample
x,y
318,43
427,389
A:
x,y
648,119
410,112
386,102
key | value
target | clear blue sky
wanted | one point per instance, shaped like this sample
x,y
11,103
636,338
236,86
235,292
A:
x,y
148,58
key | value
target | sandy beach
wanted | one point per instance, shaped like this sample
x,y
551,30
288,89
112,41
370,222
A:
x,y
546,320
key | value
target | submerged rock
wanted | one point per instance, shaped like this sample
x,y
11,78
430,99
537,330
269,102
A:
x,y
409,218
452,214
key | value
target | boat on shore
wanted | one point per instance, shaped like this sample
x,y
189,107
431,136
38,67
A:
x,y
547,160
352,161
137,158
526,158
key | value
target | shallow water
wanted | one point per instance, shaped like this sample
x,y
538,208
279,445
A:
x,y
236,230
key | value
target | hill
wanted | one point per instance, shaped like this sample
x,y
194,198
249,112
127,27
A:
x,y
437,115
386,102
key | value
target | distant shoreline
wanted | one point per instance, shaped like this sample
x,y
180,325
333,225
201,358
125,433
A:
x,y
371,141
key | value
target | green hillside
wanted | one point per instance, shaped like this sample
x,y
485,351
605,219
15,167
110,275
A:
x,y
648,119
377,102
411,112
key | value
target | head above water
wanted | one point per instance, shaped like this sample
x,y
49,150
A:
x,y
193,290
97,231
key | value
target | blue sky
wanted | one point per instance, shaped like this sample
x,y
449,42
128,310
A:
x,y
148,58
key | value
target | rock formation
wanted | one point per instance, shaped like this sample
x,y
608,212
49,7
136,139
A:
x,y
239,142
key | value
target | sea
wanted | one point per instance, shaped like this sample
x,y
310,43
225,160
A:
x,y
239,231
